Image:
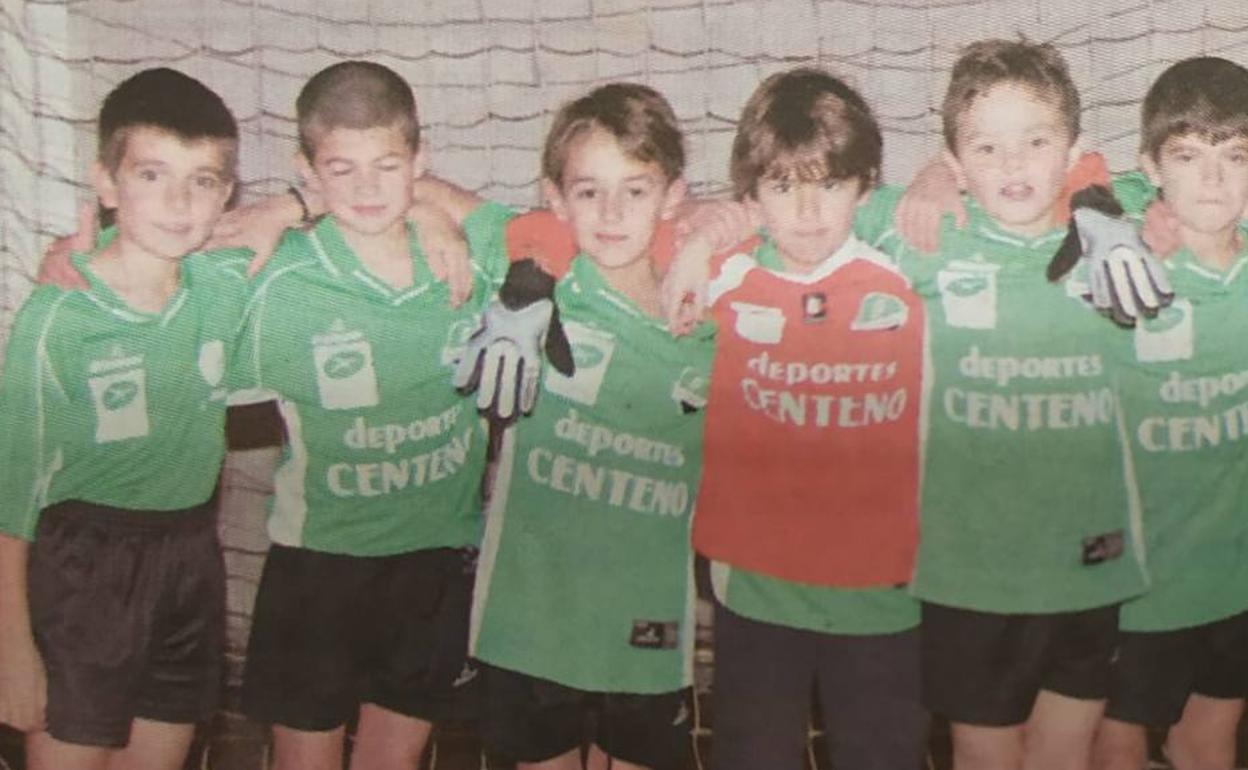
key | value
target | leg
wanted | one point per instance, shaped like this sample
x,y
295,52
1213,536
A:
x,y
570,760
977,747
43,752
386,740
1119,745
986,748
761,696
1204,737
597,759
869,690
1058,735
154,746
301,667
307,749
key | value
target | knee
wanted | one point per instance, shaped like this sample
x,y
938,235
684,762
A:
x,y
1120,750
1185,753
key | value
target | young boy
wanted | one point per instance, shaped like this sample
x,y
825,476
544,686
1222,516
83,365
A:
x,y
584,595
363,605
817,367
114,400
1030,514
818,370
1183,650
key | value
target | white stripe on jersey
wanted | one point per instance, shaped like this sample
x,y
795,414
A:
x,y
495,515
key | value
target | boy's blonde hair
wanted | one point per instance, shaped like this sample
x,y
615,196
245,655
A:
x,y
637,116
1038,67
356,95
805,125
1206,96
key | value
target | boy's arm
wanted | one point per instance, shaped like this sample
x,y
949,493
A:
x,y
930,196
23,684
23,407
56,267
933,194
438,210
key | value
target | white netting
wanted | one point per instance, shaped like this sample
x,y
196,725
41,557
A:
x,y
488,74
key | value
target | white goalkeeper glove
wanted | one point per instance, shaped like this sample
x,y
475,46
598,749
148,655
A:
x,y
519,330
1125,280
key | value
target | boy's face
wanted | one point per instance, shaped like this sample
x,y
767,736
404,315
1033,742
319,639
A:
x,y
365,176
168,192
809,221
1011,154
1205,184
613,202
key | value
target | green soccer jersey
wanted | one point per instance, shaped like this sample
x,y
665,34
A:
x,y
382,455
585,570
1184,396
825,609
1029,503
110,405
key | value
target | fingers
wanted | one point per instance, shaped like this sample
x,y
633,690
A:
x,y
1124,306
1161,229
529,376
459,280
1140,282
88,226
487,393
510,378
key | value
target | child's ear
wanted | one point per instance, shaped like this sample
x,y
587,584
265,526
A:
x,y
865,188
753,209
104,184
1150,169
674,196
554,199
304,167
1074,153
951,160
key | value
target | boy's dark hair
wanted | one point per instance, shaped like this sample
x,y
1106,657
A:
x,y
1038,67
357,95
637,116
806,125
1206,96
167,100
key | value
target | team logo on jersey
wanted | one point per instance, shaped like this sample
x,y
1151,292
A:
x,y
212,362
592,350
968,294
118,385
689,391
814,307
1168,336
758,323
655,634
879,311
457,337
345,376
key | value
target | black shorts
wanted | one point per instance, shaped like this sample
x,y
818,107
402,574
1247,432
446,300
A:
x,y
868,689
983,668
331,632
527,719
128,612
1155,672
